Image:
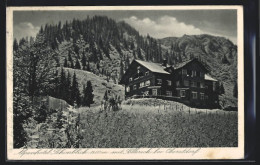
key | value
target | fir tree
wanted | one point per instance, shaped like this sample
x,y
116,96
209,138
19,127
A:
x,y
105,96
83,61
75,94
68,89
59,123
88,94
235,89
139,54
121,73
88,67
134,55
69,56
127,62
65,63
71,64
40,114
77,65
15,45
222,89
225,60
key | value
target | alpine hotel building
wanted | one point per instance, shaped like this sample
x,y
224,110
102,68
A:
x,y
186,82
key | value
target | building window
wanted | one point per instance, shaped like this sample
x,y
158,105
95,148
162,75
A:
x,y
194,95
177,83
141,84
193,74
206,97
127,89
198,84
146,93
130,79
193,84
147,73
182,93
147,83
201,85
169,82
214,86
168,93
202,96
186,83
159,81
154,91
134,87
184,71
201,74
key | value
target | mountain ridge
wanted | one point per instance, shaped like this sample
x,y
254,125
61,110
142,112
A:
x,y
103,46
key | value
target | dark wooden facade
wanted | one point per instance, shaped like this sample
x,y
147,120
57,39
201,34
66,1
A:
x,y
186,82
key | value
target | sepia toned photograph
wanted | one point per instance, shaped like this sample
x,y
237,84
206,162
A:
x,y
114,82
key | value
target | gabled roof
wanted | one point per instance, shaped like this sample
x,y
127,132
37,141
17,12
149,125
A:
x,y
182,64
153,67
207,77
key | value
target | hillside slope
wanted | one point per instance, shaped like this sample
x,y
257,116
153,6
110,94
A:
x,y
106,48
99,84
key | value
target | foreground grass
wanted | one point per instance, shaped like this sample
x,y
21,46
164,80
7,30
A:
x,y
158,125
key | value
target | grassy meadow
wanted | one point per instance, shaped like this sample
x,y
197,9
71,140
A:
x,y
157,123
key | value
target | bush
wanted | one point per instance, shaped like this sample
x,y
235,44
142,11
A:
x,y
40,114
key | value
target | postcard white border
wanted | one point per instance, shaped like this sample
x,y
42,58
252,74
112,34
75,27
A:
x,y
72,154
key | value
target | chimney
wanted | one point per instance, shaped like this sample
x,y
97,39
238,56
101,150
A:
x,y
164,63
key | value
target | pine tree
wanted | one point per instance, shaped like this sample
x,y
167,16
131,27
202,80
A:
x,y
105,96
75,94
77,65
59,122
225,60
88,94
63,86
121,73
40,114
127,62
235,89
68,88
83,61
65,63
69,55
15,45
134,55
71,64
139,54
88,67
222,89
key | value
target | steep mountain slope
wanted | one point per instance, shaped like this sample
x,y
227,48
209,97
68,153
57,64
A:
x,y
218,53
106,48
